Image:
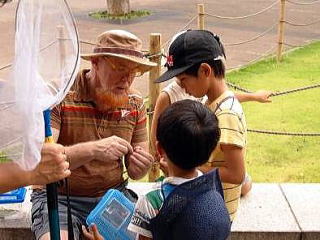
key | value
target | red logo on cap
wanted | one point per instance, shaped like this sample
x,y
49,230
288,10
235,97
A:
x,y
170,60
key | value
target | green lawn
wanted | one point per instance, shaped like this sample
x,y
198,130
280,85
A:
x,y
3,158
273,158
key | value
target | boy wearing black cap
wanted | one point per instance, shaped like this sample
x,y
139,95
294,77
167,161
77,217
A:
x,y
174,92
197,59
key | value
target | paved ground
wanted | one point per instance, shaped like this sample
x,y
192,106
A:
x,y
270,211
168,16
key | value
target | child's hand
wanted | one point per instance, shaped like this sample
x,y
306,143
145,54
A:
x,y
93,233
263,96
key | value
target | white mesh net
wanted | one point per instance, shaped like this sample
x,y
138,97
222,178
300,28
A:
x,y
46,63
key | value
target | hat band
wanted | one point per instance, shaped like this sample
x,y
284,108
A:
x,y
118,51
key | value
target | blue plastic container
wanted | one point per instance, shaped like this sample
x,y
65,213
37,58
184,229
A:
x,y
112,216
15,196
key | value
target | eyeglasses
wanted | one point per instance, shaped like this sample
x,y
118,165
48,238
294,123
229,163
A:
x,y
125,70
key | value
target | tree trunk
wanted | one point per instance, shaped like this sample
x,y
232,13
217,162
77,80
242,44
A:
x,y
118,7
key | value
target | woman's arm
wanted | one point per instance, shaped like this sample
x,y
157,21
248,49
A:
x,y
52,167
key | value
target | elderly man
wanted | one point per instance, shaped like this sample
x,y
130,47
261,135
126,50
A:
x,y
102,121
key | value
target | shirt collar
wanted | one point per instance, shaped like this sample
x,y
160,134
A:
x,y
216,102
180,180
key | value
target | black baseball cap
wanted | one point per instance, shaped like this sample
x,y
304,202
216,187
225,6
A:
x,y
189,48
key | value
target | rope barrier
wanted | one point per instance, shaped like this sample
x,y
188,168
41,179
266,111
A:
x,y
6,66
86,42
303,3
242,89
246,16
238,87
188,23
284,133
42,49
148,55
295,90
301,25
254,38
291,45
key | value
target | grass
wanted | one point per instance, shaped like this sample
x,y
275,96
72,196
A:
x,y
272,158
132,15
3,158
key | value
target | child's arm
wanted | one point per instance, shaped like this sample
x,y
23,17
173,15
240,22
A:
x,y
261,96
234,170
162,103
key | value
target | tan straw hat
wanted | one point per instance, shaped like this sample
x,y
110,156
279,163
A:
x,y
120,44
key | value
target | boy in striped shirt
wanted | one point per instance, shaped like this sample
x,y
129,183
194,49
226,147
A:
x,y
197,60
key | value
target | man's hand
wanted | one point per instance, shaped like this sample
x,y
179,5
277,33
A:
x,y
52,167
111,148
138,163
262,96
92,234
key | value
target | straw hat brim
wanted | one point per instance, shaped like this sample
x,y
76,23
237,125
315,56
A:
x,y
145,64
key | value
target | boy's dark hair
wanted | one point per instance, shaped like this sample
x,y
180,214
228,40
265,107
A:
x,y
217,65
188,133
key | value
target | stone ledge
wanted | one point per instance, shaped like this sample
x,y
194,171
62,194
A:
x,y
304,201
268,212
265,214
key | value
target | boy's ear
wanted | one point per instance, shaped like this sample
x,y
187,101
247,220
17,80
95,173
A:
x,y
160,149
205,70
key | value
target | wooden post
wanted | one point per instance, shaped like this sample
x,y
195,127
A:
x,y
281,30
154,89
201,16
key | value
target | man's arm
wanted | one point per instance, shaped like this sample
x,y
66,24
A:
x,y
107,149
261,96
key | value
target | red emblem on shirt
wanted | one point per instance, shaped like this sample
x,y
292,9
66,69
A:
x,y
170,61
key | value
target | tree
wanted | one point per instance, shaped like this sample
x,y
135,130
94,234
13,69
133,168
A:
x,y
118,7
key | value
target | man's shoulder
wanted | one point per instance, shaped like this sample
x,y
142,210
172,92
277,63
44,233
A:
x,y
69,98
